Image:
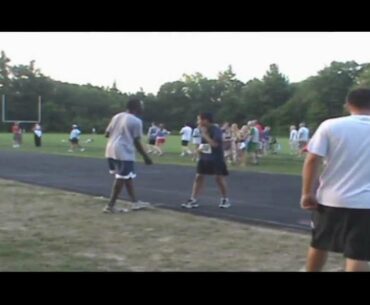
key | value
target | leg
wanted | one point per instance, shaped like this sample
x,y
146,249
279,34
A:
x,y
130,190
316,259
356,266
197,186
116,190
221,182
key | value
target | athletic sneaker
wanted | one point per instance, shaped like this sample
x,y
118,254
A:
x,y
110,209
140,205
182,155
190,204
82,149
224,203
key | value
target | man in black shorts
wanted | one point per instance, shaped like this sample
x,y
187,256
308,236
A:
x,y
341,205
211,161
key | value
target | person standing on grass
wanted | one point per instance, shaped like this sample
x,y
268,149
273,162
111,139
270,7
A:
x,y
227,139
253,141
243,144
37,131
74,138
124,134
266,136
197,140
185,133
341,206
161,139
152,136
293,139
235,134
211,162
17,135
303,136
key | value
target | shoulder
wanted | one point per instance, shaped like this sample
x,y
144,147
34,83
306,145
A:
x,y
134,119
337,122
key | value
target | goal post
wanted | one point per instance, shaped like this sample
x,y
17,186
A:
x,y
6,119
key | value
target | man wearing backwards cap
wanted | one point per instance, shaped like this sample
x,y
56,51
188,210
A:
x,y
74,138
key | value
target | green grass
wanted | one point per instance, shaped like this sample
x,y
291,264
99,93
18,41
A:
x,y
52,144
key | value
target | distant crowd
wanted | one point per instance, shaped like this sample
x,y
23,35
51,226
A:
x,y
250,142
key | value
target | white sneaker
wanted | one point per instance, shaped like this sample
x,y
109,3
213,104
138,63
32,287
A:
x,y
190,204
140,205
224,203
113,210
182,155
82,149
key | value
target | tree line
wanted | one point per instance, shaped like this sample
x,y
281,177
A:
x,y
273,99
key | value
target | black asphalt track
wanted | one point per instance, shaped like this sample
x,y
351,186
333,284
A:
x,y
265,199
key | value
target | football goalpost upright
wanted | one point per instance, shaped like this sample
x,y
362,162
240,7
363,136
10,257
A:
x,y
6,119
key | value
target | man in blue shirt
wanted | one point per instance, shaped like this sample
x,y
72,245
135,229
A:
x,y
211,161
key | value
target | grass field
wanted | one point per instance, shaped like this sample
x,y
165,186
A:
x,y
52,143
53,230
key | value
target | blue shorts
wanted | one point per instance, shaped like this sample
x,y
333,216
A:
x,y
122,169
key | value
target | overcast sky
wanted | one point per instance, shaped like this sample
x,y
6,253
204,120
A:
x,y
149,59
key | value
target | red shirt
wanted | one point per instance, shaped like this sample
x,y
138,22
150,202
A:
x,y
16,130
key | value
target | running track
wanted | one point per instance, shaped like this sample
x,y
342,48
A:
x,y
267,199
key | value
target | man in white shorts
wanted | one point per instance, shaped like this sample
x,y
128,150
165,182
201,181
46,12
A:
x,y
124,133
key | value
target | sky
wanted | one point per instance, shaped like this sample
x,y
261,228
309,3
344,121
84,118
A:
x,y
149,59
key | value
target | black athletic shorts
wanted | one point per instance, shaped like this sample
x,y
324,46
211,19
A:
x,y
184,143
151,141
74,141
342,230
217,168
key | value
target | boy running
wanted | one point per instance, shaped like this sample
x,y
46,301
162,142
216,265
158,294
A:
x,y
74,138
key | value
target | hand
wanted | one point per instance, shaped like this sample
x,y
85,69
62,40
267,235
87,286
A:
x,y
309,202
148,161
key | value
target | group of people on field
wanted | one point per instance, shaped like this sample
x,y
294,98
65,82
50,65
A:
x,y
251,140
17,132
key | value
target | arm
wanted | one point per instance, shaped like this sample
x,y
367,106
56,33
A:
x,y
139,147
208,139
318,148
136,132
310,174
107,130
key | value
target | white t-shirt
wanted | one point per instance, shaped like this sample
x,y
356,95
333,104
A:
x,y
197,138
293,135
303,134
186,133
123,129
75,134
345,145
